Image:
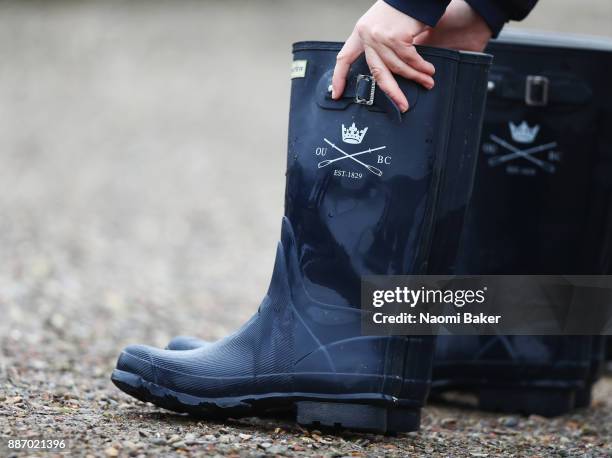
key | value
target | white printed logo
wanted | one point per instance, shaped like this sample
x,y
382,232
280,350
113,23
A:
x,y
507,152
523,133
353,136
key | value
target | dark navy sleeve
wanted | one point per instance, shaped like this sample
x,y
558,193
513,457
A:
x,y
497,12
426,11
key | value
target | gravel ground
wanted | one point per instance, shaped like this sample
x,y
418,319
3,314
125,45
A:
x,y
141,181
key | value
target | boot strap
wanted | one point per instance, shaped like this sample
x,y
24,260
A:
x,y
362,90
538,90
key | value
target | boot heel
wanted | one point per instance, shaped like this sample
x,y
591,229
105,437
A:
x,y
361,417
584,396
547,402
403,420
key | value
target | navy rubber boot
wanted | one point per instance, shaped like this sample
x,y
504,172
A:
x,y
541,205
455,187
364,195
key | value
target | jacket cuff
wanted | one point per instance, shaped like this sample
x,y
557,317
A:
x,y
492,13
426,11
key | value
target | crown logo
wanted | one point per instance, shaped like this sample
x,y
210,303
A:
x,y
352,134
523,133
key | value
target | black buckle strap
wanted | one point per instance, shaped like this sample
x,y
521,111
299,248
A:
x,y
539,90
362,90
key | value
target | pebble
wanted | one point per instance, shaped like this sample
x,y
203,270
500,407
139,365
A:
x,y
174,438
111,451
509,422
277,450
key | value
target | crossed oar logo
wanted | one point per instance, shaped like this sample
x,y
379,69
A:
x,y
524,153
353,139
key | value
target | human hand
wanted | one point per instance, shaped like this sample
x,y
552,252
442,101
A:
x,y
459,28
386,36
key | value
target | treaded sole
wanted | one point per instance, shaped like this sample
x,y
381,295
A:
x,y
328,411
547,402
525,400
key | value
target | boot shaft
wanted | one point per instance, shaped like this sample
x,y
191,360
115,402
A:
x,y
368,187
541,201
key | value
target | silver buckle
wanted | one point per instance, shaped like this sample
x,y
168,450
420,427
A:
x,y
536,91
369,79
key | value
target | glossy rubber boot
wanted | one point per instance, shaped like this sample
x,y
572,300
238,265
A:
x,y
363,188
541,205
455,189
514,374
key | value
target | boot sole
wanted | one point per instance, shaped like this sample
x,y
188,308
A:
x,y
357,412
546,402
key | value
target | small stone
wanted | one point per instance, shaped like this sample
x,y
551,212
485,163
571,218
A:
x,y
245,436
226,438
190,437
264,445
111,451
277,450
174,438
129,445
179,444
448,422
159,441
588,431
537,418
509,422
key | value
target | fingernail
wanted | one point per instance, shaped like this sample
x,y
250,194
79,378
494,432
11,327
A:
x,y
333,94
404,107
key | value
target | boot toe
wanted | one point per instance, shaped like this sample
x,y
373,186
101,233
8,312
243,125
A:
x,y
137,360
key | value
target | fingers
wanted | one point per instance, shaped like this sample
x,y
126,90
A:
x,y
409,54
387,37
351,50
385,80
410,67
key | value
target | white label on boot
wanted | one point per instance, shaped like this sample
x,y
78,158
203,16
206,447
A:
x,y
298,69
